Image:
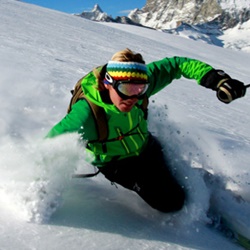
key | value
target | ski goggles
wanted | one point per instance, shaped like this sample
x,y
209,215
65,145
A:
x,y
128,88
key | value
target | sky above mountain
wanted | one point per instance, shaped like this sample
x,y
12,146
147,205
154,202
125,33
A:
x,y
111,7
43,54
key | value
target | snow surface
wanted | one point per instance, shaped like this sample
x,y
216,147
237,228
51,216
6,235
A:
x,y
43,54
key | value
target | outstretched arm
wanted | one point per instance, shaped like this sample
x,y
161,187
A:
x,y
163,72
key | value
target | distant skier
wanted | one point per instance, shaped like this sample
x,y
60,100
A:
x,y
130,155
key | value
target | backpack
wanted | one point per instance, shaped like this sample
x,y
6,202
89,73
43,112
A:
x,y
98,112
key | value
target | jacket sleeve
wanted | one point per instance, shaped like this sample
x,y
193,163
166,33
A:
x,y
78,120
163,72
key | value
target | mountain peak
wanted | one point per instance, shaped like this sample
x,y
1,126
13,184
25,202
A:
x,y
97,8
96,14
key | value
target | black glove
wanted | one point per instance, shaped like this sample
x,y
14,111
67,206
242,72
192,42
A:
x,y
228,89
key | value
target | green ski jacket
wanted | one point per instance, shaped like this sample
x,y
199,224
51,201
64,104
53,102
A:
x,y
130,127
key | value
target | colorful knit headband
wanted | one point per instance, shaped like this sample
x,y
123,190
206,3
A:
x,y
127,70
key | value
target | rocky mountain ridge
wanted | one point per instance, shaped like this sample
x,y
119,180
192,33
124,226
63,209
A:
x,y
96,14
169,14
207,19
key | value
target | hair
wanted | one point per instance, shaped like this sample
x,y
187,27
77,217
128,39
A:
x,y
125,55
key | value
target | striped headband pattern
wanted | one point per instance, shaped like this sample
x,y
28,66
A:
x,y
127,71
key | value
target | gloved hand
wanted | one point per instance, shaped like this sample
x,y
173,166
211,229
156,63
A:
x,y
227,89
230,90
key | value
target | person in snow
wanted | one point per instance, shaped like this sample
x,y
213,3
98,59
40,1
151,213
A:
x,y
131,156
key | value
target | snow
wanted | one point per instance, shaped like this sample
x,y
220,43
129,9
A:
x,y
229,4
43,54
237,38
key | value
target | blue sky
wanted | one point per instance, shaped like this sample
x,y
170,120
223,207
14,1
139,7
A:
x,y
112,7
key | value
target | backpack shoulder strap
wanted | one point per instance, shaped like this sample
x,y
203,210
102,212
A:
x,y
98,112
100,120
77,94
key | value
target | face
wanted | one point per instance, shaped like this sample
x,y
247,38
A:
x,y
121,104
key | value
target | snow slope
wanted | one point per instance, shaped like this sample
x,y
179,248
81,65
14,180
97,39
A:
x,y
43,54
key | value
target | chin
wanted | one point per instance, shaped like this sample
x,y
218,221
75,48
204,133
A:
x,y
125,109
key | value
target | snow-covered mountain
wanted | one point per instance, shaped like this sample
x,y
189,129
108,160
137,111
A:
x,y
168,14
207,20
96,14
